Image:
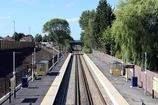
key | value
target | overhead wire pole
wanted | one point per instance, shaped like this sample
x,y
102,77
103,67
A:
x,y
126,69
14,30
14,76
32,67
29,30
53,58
34,55
14,72
145,74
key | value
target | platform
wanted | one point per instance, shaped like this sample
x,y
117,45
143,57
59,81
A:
x,y
37,89
133,95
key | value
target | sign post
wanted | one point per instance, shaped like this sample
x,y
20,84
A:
x,y
129,67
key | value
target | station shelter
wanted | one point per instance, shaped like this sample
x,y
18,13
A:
x,y
42,68
115,67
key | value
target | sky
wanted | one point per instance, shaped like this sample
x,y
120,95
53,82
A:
x,y
29,16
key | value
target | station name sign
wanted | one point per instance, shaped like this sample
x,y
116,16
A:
x,y
129,66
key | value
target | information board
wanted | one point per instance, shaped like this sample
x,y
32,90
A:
x,y
155,84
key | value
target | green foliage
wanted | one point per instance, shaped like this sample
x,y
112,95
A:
x,y
135,31
45,38
86,23
58,31
107,37
86,49
127,32
103,18
38,38
18,36
67,45
94,23
118,54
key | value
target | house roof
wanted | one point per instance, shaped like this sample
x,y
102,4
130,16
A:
x,y
26,38
8,38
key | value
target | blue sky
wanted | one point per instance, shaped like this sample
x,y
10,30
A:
x,y
35,13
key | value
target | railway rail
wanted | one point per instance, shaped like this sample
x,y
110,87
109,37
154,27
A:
x,y
86,90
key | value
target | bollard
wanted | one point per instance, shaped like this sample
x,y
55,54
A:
x,y
153,93
143,103
10,96
30,103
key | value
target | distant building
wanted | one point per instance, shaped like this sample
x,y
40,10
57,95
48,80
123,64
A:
x,y
26,39
8,38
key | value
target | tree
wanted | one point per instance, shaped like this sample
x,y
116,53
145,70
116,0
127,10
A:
x,y
58,29
38,37
135,31
45,38
107,40
86,23
18,36
103,18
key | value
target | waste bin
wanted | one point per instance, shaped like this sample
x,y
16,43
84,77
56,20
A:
x,y
134,81
24,82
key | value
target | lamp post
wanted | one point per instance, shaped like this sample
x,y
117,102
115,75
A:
x,y
33,66
53,59
145,74
29,30
14,72
34,55
14,30
111,52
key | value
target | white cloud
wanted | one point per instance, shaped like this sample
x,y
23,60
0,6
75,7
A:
x,y
73,19
69,4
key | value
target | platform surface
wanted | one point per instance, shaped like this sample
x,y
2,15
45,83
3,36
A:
x,y
37,89
133,95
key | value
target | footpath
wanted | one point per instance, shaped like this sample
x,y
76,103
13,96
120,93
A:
x,y
133,95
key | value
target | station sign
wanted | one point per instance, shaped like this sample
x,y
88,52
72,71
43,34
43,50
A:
x,y
32,66
129,66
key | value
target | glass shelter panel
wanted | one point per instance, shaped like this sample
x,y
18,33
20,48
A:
x,y
115,67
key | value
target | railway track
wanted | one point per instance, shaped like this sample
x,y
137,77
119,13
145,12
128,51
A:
x,y
79,88
86,90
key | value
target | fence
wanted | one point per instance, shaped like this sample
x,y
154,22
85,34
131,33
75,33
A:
x,y
142,83
5,45
4,87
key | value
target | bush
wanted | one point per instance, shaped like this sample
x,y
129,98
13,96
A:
x,y
118,55
86,49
